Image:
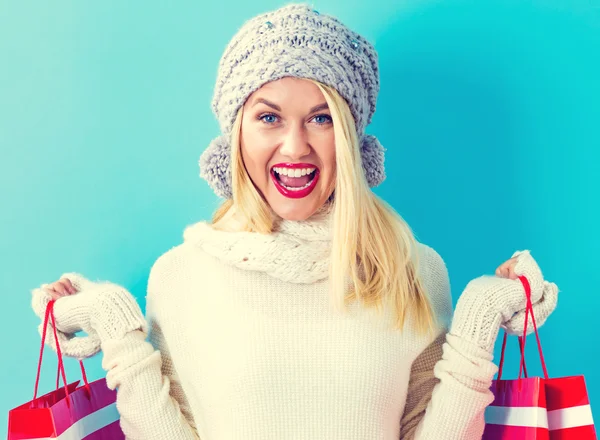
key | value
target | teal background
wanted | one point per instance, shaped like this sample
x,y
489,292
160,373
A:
x,y
489,110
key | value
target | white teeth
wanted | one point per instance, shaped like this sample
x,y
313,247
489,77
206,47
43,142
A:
x,y
292,188
293,172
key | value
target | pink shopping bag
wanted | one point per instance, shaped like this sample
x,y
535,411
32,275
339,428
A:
x,y
533,408
68,413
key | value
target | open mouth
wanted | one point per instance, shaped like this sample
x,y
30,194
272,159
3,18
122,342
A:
x,y
295,181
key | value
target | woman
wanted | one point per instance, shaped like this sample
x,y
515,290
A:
x,y
306,308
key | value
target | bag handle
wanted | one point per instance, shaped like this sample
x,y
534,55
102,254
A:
x,y
501,365
537,335
61,369
522,339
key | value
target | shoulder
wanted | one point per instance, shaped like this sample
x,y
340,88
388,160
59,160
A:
x,y
181,256
165,265
175,266
436,281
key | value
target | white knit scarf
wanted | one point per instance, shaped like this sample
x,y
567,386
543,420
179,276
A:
x,y
296,251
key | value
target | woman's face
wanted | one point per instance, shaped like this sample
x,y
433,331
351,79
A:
x,y
288,146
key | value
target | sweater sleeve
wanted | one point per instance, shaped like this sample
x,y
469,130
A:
x,y
150,398
450,381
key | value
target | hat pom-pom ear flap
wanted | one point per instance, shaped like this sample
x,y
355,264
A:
x,y
215,166
372,153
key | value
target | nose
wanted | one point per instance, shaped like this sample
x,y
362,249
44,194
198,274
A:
x,y
295,144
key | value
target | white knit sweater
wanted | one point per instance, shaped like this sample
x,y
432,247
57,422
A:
x,y
245,345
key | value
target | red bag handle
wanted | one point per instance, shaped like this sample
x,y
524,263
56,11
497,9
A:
x,y
61,368
537,335
528,309
501,366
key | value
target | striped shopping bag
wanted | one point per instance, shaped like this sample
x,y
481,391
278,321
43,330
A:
x,y
68,413
533,408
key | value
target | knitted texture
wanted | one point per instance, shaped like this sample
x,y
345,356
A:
x,y
295,252
250,355
78,347
296,41
541,310
247,352
103,310
254,352
489,302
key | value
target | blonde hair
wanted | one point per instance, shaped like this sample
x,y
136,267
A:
x,y
385,266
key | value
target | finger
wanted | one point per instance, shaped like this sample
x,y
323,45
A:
x,y
70,287
49,289
60,288
500,270
510,262
54,294
78,281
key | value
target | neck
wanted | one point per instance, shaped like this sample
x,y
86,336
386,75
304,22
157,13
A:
x,y
316,224
297,251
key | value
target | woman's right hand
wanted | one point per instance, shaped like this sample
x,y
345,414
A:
x,y
101,309
60,288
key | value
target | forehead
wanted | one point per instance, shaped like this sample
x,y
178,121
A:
x,y
288,89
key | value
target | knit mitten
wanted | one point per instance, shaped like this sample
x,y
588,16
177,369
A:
x,y
101,309
489,302
541,310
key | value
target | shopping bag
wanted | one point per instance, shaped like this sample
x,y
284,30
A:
x,y
70,412
533,408
519,409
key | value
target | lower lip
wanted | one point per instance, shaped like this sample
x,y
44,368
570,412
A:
x,y
295,194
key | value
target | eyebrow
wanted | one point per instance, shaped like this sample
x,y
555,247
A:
x,y
276,107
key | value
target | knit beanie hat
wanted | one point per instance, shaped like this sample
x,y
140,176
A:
x,y
296,41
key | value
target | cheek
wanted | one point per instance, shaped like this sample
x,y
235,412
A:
x,y
327,153
255,155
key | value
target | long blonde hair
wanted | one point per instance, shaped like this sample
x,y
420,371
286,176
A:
x,y
385,267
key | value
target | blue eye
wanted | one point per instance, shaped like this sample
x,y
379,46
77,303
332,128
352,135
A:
x,y
268,115
327,119
270,118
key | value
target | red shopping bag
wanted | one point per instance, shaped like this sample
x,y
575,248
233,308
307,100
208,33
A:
x,y
533,408
68,413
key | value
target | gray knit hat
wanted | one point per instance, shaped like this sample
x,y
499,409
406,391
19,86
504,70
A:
x,y
297,41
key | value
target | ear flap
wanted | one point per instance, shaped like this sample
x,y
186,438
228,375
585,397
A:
x,y
372,154
215,166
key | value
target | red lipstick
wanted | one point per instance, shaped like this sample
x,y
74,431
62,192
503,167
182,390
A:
x,y
295,194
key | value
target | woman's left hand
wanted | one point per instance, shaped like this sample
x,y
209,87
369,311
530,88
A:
x,y
542,308
490,302
507,269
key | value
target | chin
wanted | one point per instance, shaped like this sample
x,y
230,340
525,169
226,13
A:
x,y
295,209
294,213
